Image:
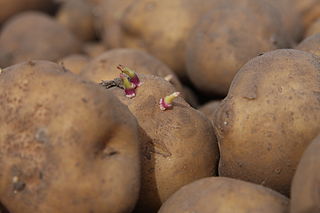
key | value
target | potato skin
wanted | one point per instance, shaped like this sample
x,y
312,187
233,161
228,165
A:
x,y
313,29
311,45
221,43
209,109
104,67
305,184
66,144
74,63
163,27
178,145
264,124
78,17
47,40
12,7
225,195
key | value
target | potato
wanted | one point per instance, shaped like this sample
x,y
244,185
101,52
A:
x,y
291,20
93,49
33,35
104,67
270,115
12,7
305,185
78,17
310,10
74,63
313,29
209,109
225,195
163,27
226,38
178,145
311,44
66,145
109,13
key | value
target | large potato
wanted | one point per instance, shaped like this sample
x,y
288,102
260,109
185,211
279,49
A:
x,y
209,109
104,67
305,186
270,115
179,144
66,145
12,7
227,37
163,27
311,44
33,35
225,195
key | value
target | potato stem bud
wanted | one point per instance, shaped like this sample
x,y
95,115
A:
x,y
133,77
129,88
166,102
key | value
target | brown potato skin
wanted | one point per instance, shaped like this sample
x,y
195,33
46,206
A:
x,y
313,29
178,145
305,185
47,40
310,10
78,17
104,67
221,43
225,195
93,49
163,27
74,63
66,144
12,7
209,109
109,15
311,44
264,124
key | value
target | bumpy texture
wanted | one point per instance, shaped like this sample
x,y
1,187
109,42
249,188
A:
x,y
305,196
269,117
225,195
33,35
179,145
66,145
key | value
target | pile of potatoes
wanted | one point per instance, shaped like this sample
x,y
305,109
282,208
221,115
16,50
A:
x,y
145,106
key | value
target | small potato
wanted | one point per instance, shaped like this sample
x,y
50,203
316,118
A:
x,y
269,117
313,29
178,144
12,7
33,35
66,144
94,49
305,185
104,67
74,63
225,195
226,38
311,44
77,16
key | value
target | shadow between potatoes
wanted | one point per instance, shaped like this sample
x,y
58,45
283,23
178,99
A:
x,y
148,197
3,209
